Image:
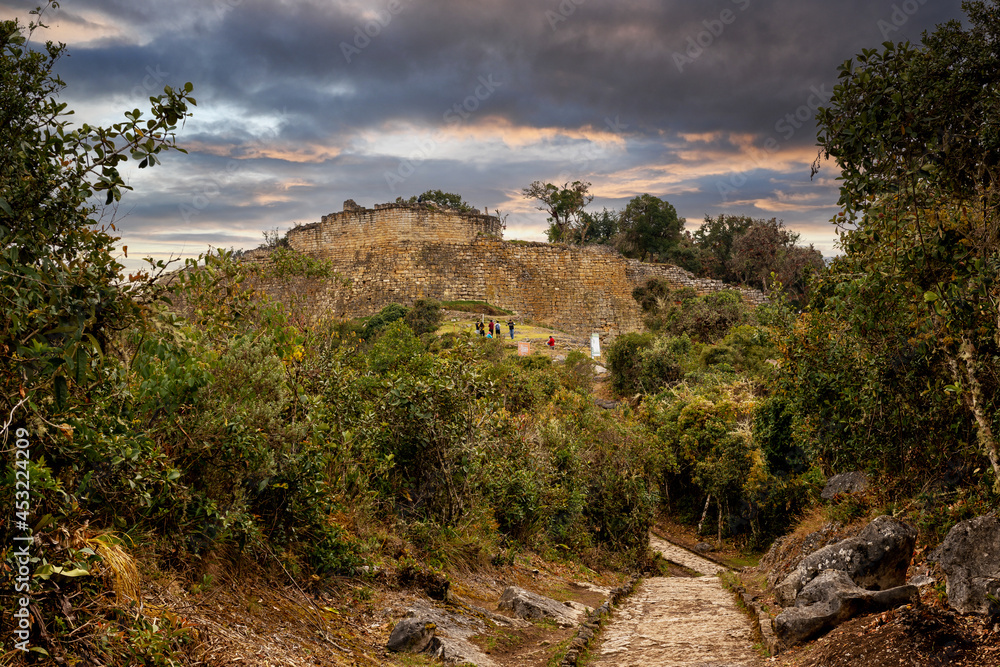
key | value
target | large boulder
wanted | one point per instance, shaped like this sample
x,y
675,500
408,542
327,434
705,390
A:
x,y
525,604
787,552
876,559
970,557
830,599
414,634
845,482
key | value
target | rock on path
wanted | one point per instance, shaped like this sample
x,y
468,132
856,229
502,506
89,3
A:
x,y
679,622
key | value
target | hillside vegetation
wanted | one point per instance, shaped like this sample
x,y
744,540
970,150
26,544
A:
x,y
191,425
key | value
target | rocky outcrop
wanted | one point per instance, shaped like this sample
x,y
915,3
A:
x,y
525,604
830,599
876,559
414,635
970,557
858,575
845,482
787,552
444,631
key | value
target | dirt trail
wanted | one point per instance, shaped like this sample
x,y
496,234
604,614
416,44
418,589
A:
x,y
679,622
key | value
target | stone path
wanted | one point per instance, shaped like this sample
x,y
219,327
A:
x,y
679,622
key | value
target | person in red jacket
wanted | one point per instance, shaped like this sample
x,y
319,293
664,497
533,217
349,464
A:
x,y
552,342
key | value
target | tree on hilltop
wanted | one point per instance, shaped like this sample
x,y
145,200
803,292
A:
x,y
441,198
767,248
715,237
565,207
649,228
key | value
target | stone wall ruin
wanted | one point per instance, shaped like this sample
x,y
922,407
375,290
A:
x,y
403,252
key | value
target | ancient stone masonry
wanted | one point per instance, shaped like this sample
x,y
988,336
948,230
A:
x,y
401,252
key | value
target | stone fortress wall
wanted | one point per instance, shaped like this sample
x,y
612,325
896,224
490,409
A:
x,y
401,252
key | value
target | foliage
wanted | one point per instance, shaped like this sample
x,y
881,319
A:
x,y
565,207
578,372
916,138
59,287
715,237
63,385
382,319
285,262
443,199
425,316
766,253
712,461
602,487
649,228
601,228
682,312
644,363
754,251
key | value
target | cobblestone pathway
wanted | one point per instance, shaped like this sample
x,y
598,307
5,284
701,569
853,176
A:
x,y
679,622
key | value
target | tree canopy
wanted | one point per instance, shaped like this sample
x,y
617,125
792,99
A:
x,y
650,228
564,205
59,281
441,198
916,133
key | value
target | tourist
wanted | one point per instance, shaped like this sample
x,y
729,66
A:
x,y
551,342
491,327
510,323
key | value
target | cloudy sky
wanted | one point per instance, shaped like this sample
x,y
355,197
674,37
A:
x,y
305,103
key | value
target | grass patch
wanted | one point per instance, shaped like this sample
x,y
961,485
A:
x,y
478,307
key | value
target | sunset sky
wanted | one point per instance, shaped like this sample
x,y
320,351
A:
x,y
305,103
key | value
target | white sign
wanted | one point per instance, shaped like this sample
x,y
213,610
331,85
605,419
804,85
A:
x,y
595,346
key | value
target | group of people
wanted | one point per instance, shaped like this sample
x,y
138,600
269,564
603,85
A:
x,y
493,329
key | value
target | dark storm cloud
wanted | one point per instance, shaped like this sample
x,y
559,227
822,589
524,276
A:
x,y
734,65
709,102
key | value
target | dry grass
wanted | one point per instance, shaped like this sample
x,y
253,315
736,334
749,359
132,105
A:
x,y
245,618
124,574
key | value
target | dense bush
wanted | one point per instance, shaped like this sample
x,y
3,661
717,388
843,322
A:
x,y
644,363
382,319
425,316
681,312
711,466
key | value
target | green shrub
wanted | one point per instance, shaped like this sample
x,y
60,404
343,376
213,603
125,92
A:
x,y
772,430
620,499
397,349
536,361
644,362
425,316
515,481
382,319
624,358
705,319
578,372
